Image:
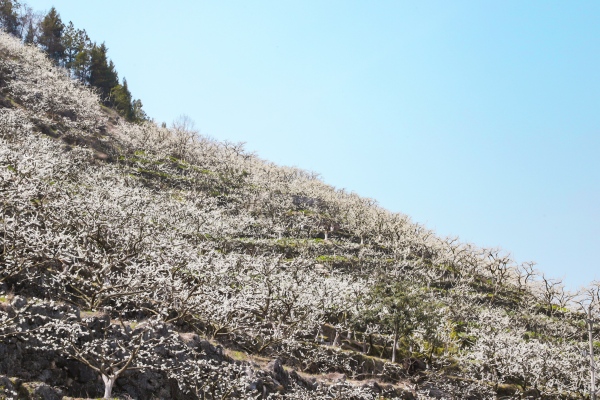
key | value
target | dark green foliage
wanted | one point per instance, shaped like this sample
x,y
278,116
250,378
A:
x,y
81,65
9,20
400,302
51,32
102,74
75,41
401,308
73,49
121,100
138,114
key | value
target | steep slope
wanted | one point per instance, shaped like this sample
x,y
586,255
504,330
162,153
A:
x,y
155,262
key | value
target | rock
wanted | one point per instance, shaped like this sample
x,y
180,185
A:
x,y
432,391
97,323
19,302
437,394
40,391
54,311
413,365
277,386
309,383
211,351
372,386
7,389
278,372
81,373
256,385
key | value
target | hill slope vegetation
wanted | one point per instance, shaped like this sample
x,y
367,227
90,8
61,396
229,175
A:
x,y
151,262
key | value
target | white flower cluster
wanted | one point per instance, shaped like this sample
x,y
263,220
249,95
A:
x,y
175,231
44,89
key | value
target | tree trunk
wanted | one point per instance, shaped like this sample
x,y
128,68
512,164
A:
x,y
364,344
336,341
395,345
108,385
592,366
318,337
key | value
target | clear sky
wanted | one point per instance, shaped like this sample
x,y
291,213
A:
x,y
478,119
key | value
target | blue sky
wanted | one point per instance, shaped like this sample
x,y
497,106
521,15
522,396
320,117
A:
x,y
477,118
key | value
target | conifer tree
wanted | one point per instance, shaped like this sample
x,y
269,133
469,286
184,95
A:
x,y
82,64
138,114
30,36
51,31
121,100
8,17
74,41
102,74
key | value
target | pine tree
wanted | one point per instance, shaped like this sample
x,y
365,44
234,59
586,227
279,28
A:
x,y
30,36
138,114
9,21
102,74
51,30
82,64
121,100
74,41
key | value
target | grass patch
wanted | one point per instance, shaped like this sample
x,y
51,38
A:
x,y
334,259
238,355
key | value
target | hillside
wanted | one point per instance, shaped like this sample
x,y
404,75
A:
x,y
139,261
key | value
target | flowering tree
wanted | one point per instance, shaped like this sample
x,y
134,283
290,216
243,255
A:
x,y
162,232
108,348
588,302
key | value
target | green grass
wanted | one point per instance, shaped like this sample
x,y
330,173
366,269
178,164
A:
x,y
335,259
238,355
